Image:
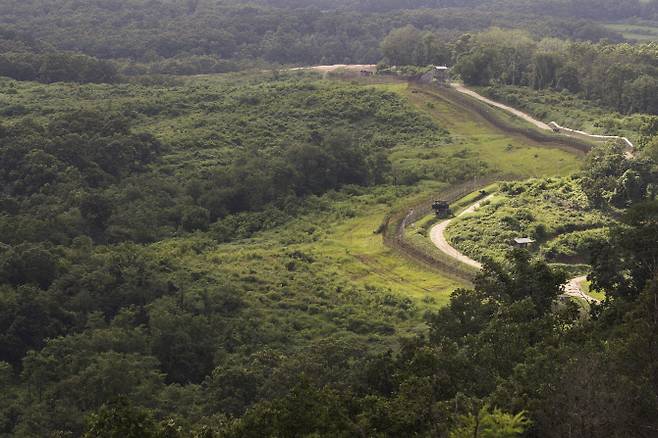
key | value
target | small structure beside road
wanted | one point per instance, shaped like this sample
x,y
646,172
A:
x,y
523,242
438,74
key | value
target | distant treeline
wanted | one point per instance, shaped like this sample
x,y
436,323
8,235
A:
x,y
593,9
150,31
72,67
623,77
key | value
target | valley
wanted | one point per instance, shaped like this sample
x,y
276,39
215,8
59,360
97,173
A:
x,y
328,219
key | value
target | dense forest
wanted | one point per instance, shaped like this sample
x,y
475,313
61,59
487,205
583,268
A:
x,y
123,312
623,77
191,232
211,36
606,9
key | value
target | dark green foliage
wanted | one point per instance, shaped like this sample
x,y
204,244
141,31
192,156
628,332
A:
x,y
611,177
265,147
184,326
29,317
27,264
428,386
467,314
621,77
475,67
627,262
527,278
122,315
195,218
304,411
57,67
502,344
98,148
212,37
120,419
568,377
410,46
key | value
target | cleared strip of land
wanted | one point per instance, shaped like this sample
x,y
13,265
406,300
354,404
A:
x,y
538,123
527,117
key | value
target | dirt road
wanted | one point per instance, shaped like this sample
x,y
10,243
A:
x,y
573,288
462,89
519,114
334,67
546,126
437,232
437,235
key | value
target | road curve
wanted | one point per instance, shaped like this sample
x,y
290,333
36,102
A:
x,y
437,232
573,287
437,235
462,89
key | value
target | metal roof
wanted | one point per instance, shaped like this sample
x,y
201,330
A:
x,y
522,240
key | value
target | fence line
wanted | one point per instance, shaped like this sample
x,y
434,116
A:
x,y
597,136
395,224
491,115
539,124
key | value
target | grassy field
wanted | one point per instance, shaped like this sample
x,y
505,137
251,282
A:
x,y
482,146
487,148
324,274
343,243
359,254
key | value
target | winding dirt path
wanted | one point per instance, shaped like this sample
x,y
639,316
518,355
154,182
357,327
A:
x,y
462,89
437,236
437,232
541,125
573,287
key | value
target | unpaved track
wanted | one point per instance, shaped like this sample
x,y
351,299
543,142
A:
x,y
541,125
519,114
334,67
573,288
437,234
